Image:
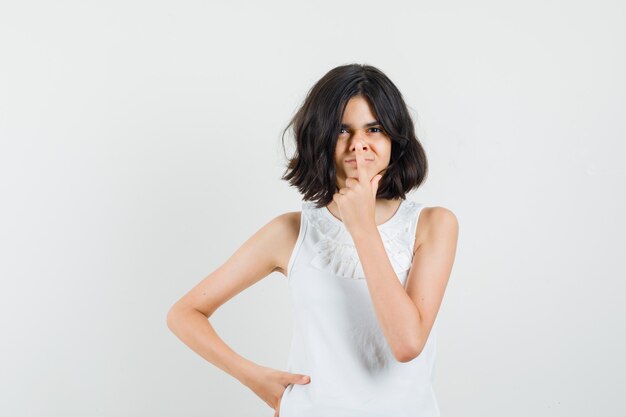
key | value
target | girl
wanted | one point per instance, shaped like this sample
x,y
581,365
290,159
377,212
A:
x,y
367,268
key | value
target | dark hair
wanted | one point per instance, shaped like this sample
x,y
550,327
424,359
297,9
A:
x,y
316,127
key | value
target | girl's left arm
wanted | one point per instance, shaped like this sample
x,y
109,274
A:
x,y
407,314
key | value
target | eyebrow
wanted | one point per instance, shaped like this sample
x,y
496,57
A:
x,y
370,124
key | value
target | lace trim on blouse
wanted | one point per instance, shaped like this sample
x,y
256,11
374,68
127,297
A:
x,y
336,253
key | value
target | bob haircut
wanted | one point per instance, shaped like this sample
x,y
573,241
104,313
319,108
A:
x,y
316,127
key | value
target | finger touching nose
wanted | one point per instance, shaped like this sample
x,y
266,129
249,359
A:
x,y
356,139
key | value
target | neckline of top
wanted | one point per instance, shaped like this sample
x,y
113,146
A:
x,y
332,217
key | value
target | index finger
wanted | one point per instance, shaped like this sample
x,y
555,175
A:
x,y
360,163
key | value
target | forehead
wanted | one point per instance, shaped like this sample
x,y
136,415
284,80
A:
x,y
358,109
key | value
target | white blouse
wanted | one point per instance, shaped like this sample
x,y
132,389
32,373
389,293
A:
x,y
337,339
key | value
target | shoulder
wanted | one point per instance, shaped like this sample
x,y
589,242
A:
x,y
285,229
287,223
434,222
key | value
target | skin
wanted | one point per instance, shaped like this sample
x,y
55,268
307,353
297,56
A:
x,y
406,314
377,154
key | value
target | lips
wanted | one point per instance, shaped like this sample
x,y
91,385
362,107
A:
x,y
352,163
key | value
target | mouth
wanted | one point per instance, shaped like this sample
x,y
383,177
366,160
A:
x,y
352,162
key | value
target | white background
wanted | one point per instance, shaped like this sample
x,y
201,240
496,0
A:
x,y
140,146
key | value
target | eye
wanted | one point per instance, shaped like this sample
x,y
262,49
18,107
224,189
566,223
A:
x,y
379,130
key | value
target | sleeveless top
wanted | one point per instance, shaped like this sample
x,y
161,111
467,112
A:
x,y
337,339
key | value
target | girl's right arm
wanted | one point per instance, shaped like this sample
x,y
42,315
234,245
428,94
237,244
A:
x,y
265,252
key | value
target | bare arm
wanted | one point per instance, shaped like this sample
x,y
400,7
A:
x,y
431,268
407,314
260,255
193,328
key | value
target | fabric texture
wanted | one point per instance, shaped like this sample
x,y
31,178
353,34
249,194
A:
x,y
337,339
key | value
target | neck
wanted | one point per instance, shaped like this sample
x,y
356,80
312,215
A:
x,y
385,209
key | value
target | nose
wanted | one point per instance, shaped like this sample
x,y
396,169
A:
x,y
358,137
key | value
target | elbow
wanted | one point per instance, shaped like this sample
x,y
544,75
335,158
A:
x,y
173,317
409,352
179,313
170,318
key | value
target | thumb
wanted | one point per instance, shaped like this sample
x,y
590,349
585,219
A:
x,y
301,379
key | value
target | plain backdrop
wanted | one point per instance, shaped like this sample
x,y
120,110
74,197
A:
x,y
141,146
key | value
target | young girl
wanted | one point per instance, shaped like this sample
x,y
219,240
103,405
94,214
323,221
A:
x,y
367,268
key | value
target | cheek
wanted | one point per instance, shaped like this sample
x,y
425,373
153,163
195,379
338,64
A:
x,y
338,157
388,147
338,164
384,148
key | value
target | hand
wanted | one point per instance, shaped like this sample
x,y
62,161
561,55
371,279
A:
x,y
357,200
270,384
